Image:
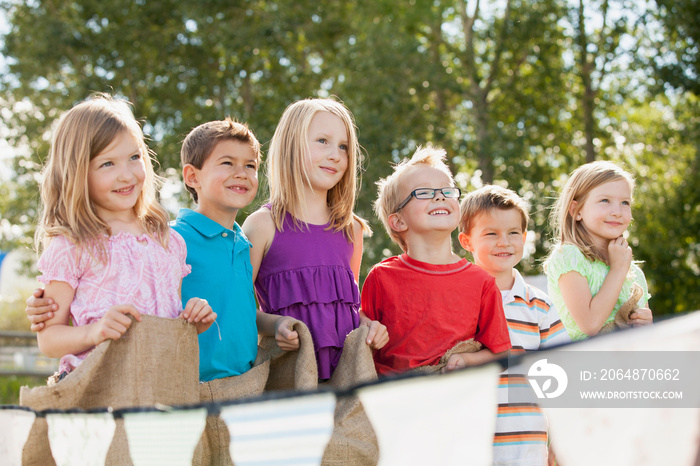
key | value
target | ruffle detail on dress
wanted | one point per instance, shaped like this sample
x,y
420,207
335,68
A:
x,y
324,284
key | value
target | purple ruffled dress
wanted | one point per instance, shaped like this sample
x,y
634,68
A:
x,y
306,274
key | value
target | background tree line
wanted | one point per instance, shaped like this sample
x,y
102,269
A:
x,y
518,92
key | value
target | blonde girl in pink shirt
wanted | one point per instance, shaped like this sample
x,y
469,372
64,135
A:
x,y
107,253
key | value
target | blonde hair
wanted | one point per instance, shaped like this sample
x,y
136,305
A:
x,y
579,185
201,141
286,168
82,134
488,198
389,196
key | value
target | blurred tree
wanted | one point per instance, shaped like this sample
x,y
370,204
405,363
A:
x,y
179,63
515,91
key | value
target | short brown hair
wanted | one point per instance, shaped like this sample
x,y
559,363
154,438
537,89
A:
x,y
487,198
200,142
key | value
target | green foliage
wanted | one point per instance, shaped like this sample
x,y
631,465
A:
x,y
12,315
499,87
10,385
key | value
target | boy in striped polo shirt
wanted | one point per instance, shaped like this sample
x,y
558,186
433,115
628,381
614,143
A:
x,y
493,227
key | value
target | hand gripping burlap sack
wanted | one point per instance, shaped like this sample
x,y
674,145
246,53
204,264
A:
x,y
624,314
155,361
467,346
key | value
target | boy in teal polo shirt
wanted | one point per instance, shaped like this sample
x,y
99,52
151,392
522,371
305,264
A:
x,y
220,162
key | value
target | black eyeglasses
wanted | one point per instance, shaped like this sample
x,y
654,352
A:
x,y
429,193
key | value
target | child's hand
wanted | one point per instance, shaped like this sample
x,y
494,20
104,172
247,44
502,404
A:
x,y
456,361
286,338
199,313
39,309
641,317
377,336
619,254
114,323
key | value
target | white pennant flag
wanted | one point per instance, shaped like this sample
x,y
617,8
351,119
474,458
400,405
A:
x,y
632,436
80,438
164,438
445,419
16,426
287,431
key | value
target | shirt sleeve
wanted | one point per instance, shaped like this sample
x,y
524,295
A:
x,y
178,248
368,301
492,329
567,258
62,262
552,330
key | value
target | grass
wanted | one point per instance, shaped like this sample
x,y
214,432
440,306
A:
x,y
10,385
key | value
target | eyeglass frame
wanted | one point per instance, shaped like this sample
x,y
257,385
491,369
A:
x,y
435,190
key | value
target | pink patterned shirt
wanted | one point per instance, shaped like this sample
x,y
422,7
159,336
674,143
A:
x,y
139,272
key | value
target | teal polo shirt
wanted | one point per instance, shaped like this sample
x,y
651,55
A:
x,y
221,274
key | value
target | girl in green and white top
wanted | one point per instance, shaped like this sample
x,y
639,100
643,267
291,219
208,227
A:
x,y
590,272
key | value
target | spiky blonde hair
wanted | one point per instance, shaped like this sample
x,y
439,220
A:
x,y
389,196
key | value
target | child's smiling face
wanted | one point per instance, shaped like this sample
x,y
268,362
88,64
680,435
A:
x,y
607,211
427,215
496,240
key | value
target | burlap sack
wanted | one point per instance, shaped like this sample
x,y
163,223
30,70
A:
x,y
290,370
213,448
467,346
274,369
354,442
622,318
155,361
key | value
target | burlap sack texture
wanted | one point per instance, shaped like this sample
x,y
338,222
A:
x,y
155,361
353,441
622,318
274,369
467,346
213,448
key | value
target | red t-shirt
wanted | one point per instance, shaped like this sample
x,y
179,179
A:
x,y
429,308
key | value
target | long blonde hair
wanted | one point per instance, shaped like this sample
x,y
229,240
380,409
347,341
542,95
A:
x,y
286,168
579,185
82,133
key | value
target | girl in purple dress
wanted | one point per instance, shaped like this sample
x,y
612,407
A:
x,y
307,242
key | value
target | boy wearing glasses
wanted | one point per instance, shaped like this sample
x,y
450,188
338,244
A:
x,y
429,298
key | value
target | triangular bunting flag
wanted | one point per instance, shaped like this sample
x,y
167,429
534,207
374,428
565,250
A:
x,y
294,430
447,419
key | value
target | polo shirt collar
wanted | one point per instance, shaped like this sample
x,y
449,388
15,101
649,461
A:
x,y
206,226
519,288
